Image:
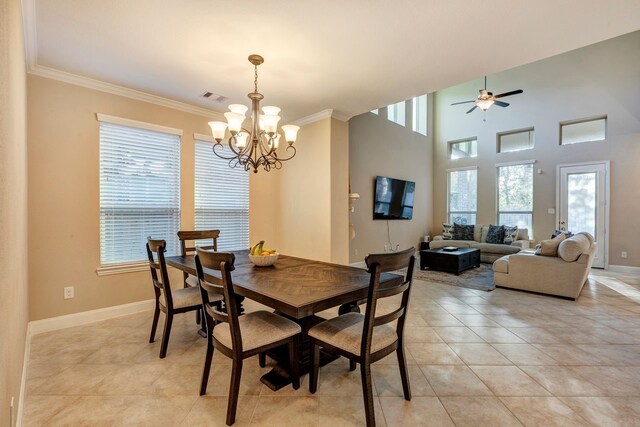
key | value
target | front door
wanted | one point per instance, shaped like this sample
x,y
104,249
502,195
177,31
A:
x,y
583,197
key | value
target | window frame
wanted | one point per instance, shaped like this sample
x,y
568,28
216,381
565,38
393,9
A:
x,y
531,212
394,107
499,135
583,120
450,145
449,211
133,266
416,110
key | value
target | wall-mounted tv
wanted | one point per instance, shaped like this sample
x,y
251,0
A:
x,y
393,198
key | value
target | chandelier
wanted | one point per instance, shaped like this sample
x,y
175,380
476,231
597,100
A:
x,y
256,146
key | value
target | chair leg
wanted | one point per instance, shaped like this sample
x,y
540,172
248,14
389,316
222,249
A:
x,y
198,317
207,367
367,393
165,335
154,324
234,390
294,367
315,365
402,364
352,365
262,359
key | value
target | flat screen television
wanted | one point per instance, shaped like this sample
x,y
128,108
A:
x,y
393,198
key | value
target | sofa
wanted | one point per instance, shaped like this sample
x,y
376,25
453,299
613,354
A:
x,y
489,252
563,275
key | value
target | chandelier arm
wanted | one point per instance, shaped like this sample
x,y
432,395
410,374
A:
x,y
284,159
221,147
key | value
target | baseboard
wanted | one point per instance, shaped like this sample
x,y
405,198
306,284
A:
x,y
86,317
23,379
624,269
360,264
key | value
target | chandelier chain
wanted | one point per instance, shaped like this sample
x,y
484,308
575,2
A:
x,y
255,80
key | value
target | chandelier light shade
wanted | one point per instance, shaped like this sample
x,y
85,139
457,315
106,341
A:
x,y
254,147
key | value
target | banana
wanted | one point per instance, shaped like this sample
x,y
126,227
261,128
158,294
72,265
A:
x,y
257,249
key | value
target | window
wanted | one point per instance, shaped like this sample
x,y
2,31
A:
x,y
139,189
375,111
515,140
462,186
420,114
221,198
395,113
584,130
463,148
515,195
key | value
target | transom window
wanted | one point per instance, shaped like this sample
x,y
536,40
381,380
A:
x,y
463,148
396,113
515,140
462,186
583,130
420,114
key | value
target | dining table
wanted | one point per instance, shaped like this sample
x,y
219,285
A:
x,y
298,289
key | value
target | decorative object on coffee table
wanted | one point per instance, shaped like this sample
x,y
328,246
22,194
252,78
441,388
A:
x,y
451,262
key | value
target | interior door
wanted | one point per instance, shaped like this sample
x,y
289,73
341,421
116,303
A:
x,y
582,207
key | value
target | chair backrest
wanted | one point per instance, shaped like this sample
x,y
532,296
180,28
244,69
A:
x,y
378,264
159,273
186,236
224,263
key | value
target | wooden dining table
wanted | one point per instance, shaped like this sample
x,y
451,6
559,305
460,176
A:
x,y
298,289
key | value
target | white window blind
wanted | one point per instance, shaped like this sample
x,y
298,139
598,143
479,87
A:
x,y
515,140
585,130
463,148
221,198
139,191
515,196
463,196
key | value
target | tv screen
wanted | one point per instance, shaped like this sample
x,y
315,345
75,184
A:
x,y
393,198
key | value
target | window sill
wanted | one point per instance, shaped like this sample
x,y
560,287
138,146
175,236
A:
x,y
129,267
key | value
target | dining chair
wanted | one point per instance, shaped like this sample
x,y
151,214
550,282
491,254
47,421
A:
x,y
169,301
189,235
239,337
367,338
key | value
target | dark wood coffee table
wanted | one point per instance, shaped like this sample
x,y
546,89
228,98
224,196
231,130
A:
x,y
450,261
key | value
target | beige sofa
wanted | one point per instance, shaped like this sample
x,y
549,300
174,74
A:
x,y
489,252
549,275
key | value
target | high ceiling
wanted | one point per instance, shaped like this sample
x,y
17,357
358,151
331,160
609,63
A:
x,y
347,55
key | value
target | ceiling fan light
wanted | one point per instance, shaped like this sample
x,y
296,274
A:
x,y
484,104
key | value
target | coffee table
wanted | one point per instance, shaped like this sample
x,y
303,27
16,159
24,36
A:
x,y
450,261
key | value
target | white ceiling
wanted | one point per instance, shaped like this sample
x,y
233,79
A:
x,y
347,55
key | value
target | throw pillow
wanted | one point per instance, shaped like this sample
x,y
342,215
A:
x,y
495,234
510,233
462,232
550,247
571,249
447,231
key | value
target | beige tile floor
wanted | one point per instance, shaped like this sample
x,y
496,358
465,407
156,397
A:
x,y
475,358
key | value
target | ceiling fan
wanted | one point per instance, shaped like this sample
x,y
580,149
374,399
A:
x,y
486,99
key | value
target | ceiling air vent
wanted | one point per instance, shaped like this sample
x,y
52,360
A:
x,y
214,97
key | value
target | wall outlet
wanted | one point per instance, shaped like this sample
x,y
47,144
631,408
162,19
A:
x,y
623,254
69,292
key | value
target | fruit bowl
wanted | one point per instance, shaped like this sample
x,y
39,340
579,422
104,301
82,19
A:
x,y
264,260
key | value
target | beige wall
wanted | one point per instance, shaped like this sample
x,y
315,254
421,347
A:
x,y
14,312
378,146
596,80
64,194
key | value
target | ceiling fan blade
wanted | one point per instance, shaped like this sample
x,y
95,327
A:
x,y
501,104
513,92
463,102
474,107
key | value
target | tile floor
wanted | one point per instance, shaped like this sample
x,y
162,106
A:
x,y
501,358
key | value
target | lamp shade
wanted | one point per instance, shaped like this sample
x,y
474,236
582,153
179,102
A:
x,y
290,133
484,104
270,123
238,108
217,130
235,121
241,140
271,110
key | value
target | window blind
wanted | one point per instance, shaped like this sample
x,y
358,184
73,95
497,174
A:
x,y
221,198
139,191
463,196
515,196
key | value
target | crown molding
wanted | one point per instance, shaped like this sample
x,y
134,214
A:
x,y
321,115
74,79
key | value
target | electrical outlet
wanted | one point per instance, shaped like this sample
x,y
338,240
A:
x,y
623,254
69,292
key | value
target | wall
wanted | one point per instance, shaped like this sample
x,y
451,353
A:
x,y
13,208
595,80
64,192
378,146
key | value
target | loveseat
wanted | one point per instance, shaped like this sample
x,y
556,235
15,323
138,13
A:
x,y
489,252
562,275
